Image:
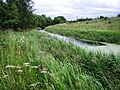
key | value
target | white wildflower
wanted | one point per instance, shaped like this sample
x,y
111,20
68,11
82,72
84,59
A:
x,y
34,84
13,66
20,71
23,37
22,40
5,76
26,64
10,66
43,71
18,67
34,67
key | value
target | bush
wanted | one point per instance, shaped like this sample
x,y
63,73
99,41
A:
x,y
59,19
118,15
109,22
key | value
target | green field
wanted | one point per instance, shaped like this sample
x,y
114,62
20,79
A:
x,y
96,30
36,61
32,58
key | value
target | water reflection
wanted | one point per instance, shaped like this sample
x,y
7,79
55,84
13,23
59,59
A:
x,y
89,46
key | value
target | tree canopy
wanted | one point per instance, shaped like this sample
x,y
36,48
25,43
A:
x,y
16,14
59,19
118,15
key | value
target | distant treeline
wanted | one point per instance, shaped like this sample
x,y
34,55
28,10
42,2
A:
x,y
42,21
88,19
18,15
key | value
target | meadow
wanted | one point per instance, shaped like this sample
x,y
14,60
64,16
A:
x,y
35,61
97,30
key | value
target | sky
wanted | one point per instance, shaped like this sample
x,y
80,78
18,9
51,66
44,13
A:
x,y
73,9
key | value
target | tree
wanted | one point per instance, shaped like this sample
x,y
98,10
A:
x,y
59,19
45,21
2,13
16,14
118,15
49,21
101,17
12,14
25,13
9,14
105,18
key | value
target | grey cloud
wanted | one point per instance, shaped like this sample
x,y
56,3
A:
x,y
78,8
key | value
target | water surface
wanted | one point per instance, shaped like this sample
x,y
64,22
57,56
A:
x,y
100,47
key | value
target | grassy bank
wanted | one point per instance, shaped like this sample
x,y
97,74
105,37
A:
x,y
31,60
97,30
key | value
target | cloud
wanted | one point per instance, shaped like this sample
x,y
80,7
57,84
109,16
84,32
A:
x,y
77,8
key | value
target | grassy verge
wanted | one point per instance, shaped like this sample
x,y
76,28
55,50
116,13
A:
x,y
94,30
31,60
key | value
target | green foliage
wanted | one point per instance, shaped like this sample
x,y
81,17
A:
x,y
9,15
16,14
25,13
101,17
42,21
118,15
34,61
59,19
83,19
97,30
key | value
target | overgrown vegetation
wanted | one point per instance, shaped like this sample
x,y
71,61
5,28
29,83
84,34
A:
x,y
18,14
32,60
15,14
97,30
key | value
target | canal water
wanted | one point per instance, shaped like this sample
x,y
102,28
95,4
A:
x,y
106,48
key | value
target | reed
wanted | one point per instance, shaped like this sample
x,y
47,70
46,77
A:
x,y
36,61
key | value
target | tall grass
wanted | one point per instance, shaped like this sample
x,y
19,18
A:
x,y
35,61
97,30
